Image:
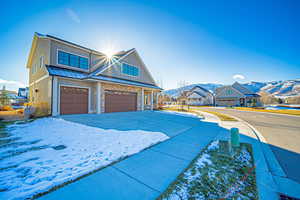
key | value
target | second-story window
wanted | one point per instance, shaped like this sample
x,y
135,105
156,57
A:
x,y
130,70
72,60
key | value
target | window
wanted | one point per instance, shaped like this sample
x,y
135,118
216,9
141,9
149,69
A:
x,y
63,58
72,60
83,63
41,61
130,70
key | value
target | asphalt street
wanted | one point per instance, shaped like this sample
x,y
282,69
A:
x,y
282,133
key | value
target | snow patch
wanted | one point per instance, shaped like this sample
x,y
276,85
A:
x,y
33,163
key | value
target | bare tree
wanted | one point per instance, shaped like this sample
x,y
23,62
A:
x,y
182,92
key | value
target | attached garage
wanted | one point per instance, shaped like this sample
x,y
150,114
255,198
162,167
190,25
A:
x,y
73,100
119,101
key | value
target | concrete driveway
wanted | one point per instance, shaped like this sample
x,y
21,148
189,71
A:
x,y
148,173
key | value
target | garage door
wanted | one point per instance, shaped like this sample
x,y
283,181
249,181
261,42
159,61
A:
x,y
73,100
117,101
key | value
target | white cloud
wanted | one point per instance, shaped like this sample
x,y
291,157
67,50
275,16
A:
x,y
73,15
11,85
238,77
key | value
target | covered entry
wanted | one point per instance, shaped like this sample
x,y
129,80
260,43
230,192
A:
x,y
73,100
120,101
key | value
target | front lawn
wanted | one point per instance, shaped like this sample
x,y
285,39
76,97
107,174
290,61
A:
x,y
38,156
285,111
214,174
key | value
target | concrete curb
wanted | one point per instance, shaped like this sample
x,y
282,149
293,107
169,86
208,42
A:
x,y
266,184
275,177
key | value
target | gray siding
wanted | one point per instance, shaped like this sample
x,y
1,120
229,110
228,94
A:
x,y
55,46
132,59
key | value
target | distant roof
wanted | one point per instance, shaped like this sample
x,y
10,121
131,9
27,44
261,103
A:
x,y
57,71
241,88
196,93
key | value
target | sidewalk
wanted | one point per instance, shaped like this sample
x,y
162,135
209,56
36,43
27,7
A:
x,y
146,174
270,178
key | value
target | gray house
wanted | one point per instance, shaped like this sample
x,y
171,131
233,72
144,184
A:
x,y
199,96
236,95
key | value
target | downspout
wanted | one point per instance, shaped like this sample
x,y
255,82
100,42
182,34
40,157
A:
x,y
51,102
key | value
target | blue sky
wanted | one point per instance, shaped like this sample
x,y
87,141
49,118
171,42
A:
x,y
192,41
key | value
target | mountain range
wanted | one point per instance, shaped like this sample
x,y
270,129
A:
x,y
279,89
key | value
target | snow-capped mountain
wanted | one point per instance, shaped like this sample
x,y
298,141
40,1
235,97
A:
x,y
283,88
176,92
288,88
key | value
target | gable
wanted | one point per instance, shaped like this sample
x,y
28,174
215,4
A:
x,y
133,59
194,95
201,90
228,91
241,88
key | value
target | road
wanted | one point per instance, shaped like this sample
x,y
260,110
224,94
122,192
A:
x,y
282,132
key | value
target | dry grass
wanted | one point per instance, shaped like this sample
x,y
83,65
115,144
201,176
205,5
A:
x,y
11,115
289,112
221,116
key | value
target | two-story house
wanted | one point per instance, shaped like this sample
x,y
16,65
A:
x,y
66,78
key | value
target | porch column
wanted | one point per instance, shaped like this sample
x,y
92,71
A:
x,y
157,100
142,99
55,96
151,99
98,98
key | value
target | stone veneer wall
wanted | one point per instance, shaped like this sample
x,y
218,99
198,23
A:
x,y
106,86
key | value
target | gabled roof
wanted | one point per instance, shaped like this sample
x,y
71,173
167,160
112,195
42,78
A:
x,y
68,73
195,92
197,86
241,88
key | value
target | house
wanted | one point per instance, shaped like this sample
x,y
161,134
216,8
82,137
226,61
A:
x,y
23,92
7,97
66,78
236,95
197,96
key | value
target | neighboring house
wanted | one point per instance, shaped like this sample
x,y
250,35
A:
x,y
8,97
23,92
66,78
198,96
236,95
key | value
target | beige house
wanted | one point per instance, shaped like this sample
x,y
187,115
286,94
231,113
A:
x,y
236,95
66,78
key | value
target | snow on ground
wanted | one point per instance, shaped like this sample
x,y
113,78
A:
x,y
184,114
50,151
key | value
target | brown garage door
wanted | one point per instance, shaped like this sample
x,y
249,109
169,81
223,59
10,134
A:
x,y
117,101
73,100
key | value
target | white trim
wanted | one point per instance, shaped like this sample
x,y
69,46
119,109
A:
x,y
151,99
98,97
70,67
133,50
54,97
40,79
110,82
143,99
74,86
